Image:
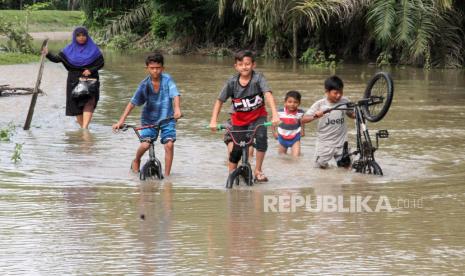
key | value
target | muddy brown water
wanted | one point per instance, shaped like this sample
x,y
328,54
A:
x,y
71,207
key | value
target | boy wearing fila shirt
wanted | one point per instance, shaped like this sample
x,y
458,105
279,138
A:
x,y
332,127
289,130
248,91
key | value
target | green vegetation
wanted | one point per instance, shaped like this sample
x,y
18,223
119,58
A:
x,y
16,58
426,33
18,47
16,157
318,58
5,136
44,20
7,132
40,4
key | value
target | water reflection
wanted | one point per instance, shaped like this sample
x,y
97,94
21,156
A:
x,y
81,141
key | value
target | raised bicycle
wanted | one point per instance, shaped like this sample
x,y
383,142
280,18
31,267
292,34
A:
x,y
244,170
152,169
373,107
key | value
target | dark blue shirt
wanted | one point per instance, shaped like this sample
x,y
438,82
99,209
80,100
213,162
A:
x,y
158,104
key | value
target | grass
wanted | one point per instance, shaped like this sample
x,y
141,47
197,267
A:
x,y
45,20
7,132
16,58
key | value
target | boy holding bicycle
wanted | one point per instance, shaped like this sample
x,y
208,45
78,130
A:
x,y
161,99
332,127
248,90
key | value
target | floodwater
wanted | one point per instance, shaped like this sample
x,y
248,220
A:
x,y
71,206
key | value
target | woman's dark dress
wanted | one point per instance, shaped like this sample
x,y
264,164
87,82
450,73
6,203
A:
x,y
75,107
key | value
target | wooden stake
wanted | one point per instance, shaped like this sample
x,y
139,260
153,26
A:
x,y
35,93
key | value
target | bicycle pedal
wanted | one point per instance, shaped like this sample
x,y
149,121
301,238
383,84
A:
x,y
382,133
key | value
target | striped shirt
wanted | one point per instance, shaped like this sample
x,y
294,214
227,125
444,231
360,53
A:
x,y
290,123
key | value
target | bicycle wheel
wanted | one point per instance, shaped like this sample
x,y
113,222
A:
x,y
159,169
150,170
371,167
248,176
233,178
380,88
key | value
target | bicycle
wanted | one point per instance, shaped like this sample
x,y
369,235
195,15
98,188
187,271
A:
x,y
373,107
152,169
244,170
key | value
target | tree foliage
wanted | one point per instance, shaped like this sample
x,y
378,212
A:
x,y
417,32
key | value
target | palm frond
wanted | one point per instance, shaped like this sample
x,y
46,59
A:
x,y
425,28
449,40
382,17
405,22
125,22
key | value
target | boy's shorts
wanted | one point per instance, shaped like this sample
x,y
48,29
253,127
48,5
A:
x,y
168,132
288,143
324,154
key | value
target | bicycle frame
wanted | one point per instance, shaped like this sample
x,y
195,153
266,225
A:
x,y
244,168
364,146
153,165
152,156
365,149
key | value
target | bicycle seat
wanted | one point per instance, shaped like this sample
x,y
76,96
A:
x,y
148,140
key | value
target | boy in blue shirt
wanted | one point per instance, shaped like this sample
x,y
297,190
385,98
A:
x,y
162,100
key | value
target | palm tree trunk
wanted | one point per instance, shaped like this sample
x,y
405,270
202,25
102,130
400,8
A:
x,y
294,40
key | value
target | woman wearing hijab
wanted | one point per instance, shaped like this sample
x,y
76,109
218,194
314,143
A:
x,y
82,58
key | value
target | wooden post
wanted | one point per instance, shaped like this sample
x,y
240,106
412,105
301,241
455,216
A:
x,y
35,93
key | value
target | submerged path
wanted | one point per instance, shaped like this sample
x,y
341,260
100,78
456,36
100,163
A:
x,y
52,35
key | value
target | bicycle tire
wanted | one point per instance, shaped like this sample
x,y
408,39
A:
x,y
380,85
232,178
371,167
149,170
248,176
159,169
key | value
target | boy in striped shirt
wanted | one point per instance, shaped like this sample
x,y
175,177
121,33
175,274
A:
x,y
290,130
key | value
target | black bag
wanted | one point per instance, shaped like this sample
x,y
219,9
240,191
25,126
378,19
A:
x,y
86,87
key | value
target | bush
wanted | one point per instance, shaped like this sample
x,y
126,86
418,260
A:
x,y
384,59
162,26
18,39
317,57
123,41
40,6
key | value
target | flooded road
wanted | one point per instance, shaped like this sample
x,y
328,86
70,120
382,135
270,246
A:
x,y
71,206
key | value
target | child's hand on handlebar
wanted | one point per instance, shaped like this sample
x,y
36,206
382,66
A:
x,y
213,126
117,126
318,114
275,120
177,114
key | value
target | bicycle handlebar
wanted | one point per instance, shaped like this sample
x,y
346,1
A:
x,y
125,127
350,105
222,127
242,143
